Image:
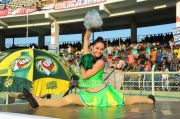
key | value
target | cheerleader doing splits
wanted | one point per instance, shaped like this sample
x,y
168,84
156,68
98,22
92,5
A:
x,y
97,92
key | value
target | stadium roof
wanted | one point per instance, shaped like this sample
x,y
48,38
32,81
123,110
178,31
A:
x,y
117,14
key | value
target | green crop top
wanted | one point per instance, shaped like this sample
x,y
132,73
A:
x,y
92,82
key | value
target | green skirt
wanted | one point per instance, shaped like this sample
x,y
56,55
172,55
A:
x,y
107,96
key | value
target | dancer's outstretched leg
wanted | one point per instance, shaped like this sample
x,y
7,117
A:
x,y
139,99
62,101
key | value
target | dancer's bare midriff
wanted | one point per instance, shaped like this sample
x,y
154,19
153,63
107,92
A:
x,y
95,89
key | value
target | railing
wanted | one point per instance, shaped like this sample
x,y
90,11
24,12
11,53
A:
x,y
161,84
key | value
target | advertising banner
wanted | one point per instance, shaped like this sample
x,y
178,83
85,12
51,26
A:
x,y
3,12
176,34
76,3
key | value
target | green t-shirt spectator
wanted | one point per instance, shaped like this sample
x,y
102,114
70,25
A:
x,y
148,51
134,52
116,52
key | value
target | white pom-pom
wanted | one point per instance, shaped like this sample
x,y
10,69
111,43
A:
x,y
93,20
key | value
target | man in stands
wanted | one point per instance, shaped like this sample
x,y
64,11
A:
x,y
142,56
130,58
153,55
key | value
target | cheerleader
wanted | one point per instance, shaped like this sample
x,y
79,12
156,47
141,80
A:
x,y
96,92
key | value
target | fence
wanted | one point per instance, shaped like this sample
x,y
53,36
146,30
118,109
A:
x,y
160,84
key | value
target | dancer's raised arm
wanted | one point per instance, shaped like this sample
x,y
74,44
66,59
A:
x,y
86,42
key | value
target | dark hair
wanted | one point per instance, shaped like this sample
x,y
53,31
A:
x,y
99,40
97,58
152,48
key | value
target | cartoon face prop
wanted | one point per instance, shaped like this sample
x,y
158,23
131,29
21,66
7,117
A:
x,y
20,63
45,65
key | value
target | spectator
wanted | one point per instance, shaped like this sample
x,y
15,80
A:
x,y
69,49
138,66
130,58
165,80
147,68
109,49
121,64
153,55
66,57
142,56
164,64
147,65
174,63
38,6
177,51
169,54
159,56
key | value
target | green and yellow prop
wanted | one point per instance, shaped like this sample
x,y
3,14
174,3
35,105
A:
x,y
33,68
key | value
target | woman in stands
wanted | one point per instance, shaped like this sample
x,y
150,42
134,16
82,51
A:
x,y
97,92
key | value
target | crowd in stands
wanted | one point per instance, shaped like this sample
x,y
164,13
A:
x,y
158,50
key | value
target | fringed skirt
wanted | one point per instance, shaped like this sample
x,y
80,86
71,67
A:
x,y
107,96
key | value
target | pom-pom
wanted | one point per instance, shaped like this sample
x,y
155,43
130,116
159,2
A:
x,y
87,61
93,20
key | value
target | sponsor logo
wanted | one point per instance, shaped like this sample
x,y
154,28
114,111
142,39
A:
x,y
51,85
46,65
20,63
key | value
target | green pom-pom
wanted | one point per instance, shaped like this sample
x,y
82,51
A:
x,y
87,61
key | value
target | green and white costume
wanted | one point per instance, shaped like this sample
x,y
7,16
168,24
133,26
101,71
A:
x,y
107,96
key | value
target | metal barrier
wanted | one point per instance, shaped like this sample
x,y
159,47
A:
x,y
162,84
